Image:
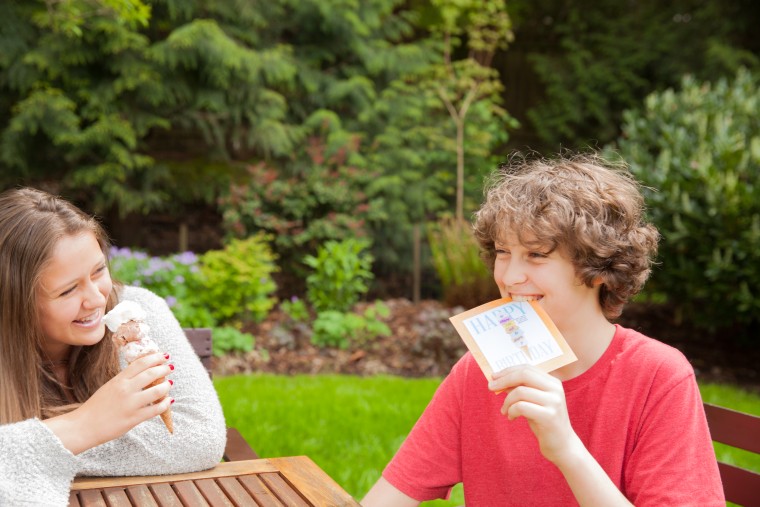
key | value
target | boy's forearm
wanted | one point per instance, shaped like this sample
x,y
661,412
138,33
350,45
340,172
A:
x,y
588,481
383,493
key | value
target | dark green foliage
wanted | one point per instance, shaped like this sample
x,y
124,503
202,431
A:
x,y
699,151
319,196
596,59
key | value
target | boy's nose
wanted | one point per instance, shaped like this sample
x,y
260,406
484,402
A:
x,y
514,274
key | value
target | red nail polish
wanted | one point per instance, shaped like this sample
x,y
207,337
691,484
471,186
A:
x,y
171,402
171,382
171,367
166,356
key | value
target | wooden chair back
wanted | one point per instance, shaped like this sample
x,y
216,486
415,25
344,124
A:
x,y
237,449
200,339
740,430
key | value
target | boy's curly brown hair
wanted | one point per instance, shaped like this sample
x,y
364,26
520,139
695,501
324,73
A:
x,y
588,208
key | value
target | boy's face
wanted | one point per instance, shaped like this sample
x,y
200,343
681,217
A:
x,y
527,274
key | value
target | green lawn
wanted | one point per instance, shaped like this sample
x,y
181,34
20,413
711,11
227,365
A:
x,y
351,426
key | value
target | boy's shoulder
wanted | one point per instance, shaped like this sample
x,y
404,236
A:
x,y
651,354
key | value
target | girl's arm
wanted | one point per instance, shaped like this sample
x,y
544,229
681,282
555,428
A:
x,y
199,427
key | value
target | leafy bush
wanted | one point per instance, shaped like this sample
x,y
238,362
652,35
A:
x,y
229,339
220,286
318,196
237,281
295,309
176,278
338,329
699,150
465,278
342,270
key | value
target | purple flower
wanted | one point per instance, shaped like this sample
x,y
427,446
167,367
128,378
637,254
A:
x,y
170,300
187,258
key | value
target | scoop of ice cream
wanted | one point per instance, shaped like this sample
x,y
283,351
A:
x,y
123,312
136,349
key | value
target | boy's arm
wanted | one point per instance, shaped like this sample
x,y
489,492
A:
x,y
587,479
383,493
540,398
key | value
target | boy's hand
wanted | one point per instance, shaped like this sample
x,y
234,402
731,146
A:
x,y
540,398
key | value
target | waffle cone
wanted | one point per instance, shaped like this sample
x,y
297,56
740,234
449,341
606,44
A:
x,y
166,415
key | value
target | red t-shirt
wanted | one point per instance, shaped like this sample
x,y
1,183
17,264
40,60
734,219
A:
x,y
637,409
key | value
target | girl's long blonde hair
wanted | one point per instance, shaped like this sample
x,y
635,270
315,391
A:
x,y
31,224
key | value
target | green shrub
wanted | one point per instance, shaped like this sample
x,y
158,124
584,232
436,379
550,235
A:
x,y
238,280
295,309
465,278
339,329
228,339
699,150
341,272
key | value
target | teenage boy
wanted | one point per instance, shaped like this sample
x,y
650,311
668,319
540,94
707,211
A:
x,y
622,425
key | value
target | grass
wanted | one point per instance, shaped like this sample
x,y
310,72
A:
x,y
351,426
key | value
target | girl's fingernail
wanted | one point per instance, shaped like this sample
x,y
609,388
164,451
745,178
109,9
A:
x,y
171,382
171,367
166,356
171,402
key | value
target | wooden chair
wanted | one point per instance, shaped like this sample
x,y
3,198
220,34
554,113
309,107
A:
x,y
237,449
737,429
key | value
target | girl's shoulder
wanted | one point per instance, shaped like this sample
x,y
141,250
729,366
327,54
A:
x,y
140,295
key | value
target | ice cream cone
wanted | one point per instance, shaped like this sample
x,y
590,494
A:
x,y
130,333
166,415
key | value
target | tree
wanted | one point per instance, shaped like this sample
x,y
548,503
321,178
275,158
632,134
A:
x,y
484,26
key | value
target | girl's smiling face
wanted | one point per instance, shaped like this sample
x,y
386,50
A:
x,y
528,273
71,299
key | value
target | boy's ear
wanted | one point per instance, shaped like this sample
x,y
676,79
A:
x,y
598,281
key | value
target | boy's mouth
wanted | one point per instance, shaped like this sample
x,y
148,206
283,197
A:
x,y
522,298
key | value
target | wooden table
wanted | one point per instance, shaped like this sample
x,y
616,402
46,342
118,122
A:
x,y
294,481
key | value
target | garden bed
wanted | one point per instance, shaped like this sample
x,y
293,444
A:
x,y
423,343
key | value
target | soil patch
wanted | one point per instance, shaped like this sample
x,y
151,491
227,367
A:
x,y
424,343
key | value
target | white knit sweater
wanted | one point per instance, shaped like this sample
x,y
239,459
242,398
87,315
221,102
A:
x,y
36,469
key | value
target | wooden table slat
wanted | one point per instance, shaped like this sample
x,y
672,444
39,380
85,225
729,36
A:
x,y
259,491
140,495
235,491
213,493
189,494
92,498
165,495
283,490
116,497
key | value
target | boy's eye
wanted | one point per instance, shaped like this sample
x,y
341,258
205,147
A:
x,y
68,291
538,255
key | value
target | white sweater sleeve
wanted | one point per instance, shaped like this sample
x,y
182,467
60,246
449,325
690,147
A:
x,y
199,427
35,468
